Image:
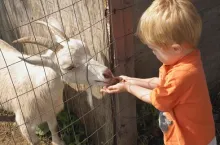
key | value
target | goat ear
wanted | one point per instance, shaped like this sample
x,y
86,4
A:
x,y
56,30
37,60
55,24
58,39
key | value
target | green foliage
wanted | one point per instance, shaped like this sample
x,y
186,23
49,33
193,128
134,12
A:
x,y
42,129
147,125
72,131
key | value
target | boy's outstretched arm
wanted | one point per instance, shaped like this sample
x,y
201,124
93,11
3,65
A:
x,y
149,83
140,92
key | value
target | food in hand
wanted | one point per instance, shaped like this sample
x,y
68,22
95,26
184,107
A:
x,y
115,80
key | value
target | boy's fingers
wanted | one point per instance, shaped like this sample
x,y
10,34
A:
x,y
112,87
107,91
122,76
111,91
103,90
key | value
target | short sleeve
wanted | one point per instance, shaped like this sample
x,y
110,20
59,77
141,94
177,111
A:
x,y
166,96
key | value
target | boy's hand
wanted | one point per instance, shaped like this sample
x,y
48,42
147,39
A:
x,y
114,81
117,88
126,79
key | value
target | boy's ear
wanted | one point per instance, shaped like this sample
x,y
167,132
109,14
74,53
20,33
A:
x,y
177,48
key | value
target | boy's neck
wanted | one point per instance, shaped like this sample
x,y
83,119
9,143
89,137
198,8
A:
x,y
186,51
187,48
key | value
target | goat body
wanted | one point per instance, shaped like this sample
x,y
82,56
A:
x,y
33,96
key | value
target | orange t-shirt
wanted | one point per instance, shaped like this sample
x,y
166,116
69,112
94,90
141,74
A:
x,y
184,97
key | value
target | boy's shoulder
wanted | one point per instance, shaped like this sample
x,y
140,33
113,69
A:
x,y
185,73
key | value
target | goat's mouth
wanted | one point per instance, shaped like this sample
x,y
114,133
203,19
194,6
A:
x,y
98,81
103,83
111,81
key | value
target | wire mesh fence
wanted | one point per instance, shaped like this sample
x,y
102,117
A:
x,y
80,14
38,98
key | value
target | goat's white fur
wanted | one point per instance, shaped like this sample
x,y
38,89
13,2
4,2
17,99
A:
x,y
19,79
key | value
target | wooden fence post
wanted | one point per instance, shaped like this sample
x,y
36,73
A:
x,y
122,36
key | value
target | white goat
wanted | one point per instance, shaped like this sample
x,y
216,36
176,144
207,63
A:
x,y
32,86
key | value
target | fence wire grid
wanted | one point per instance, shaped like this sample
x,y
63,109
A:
x,y
39,51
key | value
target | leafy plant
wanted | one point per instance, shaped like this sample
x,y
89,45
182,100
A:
x,y
147,125
71,129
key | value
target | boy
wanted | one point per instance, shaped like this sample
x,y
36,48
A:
x,y
172,29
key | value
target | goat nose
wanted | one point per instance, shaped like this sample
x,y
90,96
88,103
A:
x,y
107,74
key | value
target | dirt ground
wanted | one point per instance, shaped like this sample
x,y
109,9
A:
x,y
11,135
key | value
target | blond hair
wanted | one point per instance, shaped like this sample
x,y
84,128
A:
x,y
167,22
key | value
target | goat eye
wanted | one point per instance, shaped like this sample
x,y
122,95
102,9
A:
x,y
70,67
